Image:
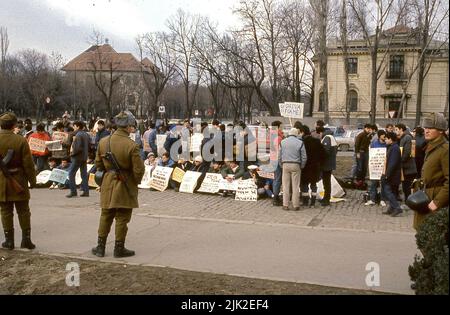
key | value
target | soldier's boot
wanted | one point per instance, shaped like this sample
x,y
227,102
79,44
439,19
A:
x,y
121,251
9,240
313,201
26,240
305,201
99,251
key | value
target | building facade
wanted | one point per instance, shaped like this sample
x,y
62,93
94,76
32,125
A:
x,y
398,56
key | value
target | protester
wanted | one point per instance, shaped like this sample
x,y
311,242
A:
x,y
231,171
216,167
293,159
420,147
79,153
362,143
391,178
409,171
263,185
329,163
380,142
166,161
102,132
183,165
40,158
146,139
311,173
435,168
315,133
276,136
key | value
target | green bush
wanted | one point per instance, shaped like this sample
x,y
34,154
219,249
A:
x,y
430,272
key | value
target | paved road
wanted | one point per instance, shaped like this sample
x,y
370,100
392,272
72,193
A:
x,y
330,246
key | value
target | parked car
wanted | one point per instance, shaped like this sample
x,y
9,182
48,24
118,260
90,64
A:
x,y
346,142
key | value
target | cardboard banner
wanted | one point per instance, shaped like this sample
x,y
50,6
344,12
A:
x,y
78,174
59,176
43,177
196,142
53,145
178,174
146,180
377,162
291,110
210,184
60,136
189,182
160,178
266,175
91,181
225,185
160,140
246,191
37,145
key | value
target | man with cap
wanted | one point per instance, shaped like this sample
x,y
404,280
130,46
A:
x,y
22,172
118,194
435,168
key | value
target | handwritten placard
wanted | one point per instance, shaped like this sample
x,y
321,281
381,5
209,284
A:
x,y
210,184
189,182
54,145
291,110
266,174
147,178
226,185
59,176
196,142
160,178
43,177
37,145
246,191
377,162
60,136
178,174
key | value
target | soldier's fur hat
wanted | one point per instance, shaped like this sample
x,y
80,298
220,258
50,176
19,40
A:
x,y
8,117
125,119
435,121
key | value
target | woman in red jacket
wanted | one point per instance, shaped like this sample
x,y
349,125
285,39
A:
x,y
40,156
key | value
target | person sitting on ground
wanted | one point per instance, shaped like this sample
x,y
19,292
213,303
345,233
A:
x,y
216,167
231,171
264,185
166,161
200,165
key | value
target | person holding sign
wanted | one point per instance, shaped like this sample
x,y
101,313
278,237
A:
x,y
79,152
380,142
38,148
118,156
182,165
16,171
390,180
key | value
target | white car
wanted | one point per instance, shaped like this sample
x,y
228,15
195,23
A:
x,y
347,141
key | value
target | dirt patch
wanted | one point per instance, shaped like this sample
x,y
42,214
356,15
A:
x,y
29,273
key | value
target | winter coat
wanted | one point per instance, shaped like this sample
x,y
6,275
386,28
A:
x,y
393,164
408,162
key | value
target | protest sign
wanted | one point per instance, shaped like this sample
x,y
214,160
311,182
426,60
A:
x,y
91,181
246,191
60,136
291,110
210,183
226,185
268,175
189,182
160,178
377,162
160,140
37,145
54,145
59,176
178,174
196,142
78,174
43,177
146,179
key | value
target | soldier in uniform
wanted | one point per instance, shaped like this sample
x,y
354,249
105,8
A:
x,y
14,190
118,197
435,168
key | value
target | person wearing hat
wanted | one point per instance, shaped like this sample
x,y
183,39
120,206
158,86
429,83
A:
x,y
292,158
435,167
21,168
118,196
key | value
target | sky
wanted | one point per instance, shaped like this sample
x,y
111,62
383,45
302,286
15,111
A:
x,y
64,26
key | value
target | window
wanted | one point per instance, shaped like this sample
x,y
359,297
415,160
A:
x,y
352,65
353,101
394,107
321,101
396,66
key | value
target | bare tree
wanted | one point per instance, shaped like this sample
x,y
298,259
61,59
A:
x,y
4,44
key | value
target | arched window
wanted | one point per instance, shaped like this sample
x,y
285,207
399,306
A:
x,y
321,102
353,100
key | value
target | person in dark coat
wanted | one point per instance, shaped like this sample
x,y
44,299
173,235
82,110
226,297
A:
x,y
408,162
328,164
79,153
311,173
102,132
421,144
391,178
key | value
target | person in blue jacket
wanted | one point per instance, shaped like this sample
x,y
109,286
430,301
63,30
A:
x,y
391,179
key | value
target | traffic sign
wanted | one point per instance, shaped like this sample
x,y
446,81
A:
x,y
162,109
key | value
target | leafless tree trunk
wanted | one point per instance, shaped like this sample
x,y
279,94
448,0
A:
x,y
4,44
344,43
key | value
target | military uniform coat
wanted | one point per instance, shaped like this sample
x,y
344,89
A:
x,y
114,193
21,160
435,175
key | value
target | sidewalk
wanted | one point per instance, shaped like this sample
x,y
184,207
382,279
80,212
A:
x,y
221,235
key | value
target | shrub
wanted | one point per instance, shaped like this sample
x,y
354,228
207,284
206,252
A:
x,y
430,272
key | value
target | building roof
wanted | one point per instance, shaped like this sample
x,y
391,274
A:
x,y
103,57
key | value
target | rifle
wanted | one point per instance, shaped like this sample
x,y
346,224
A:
x,y
4,168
